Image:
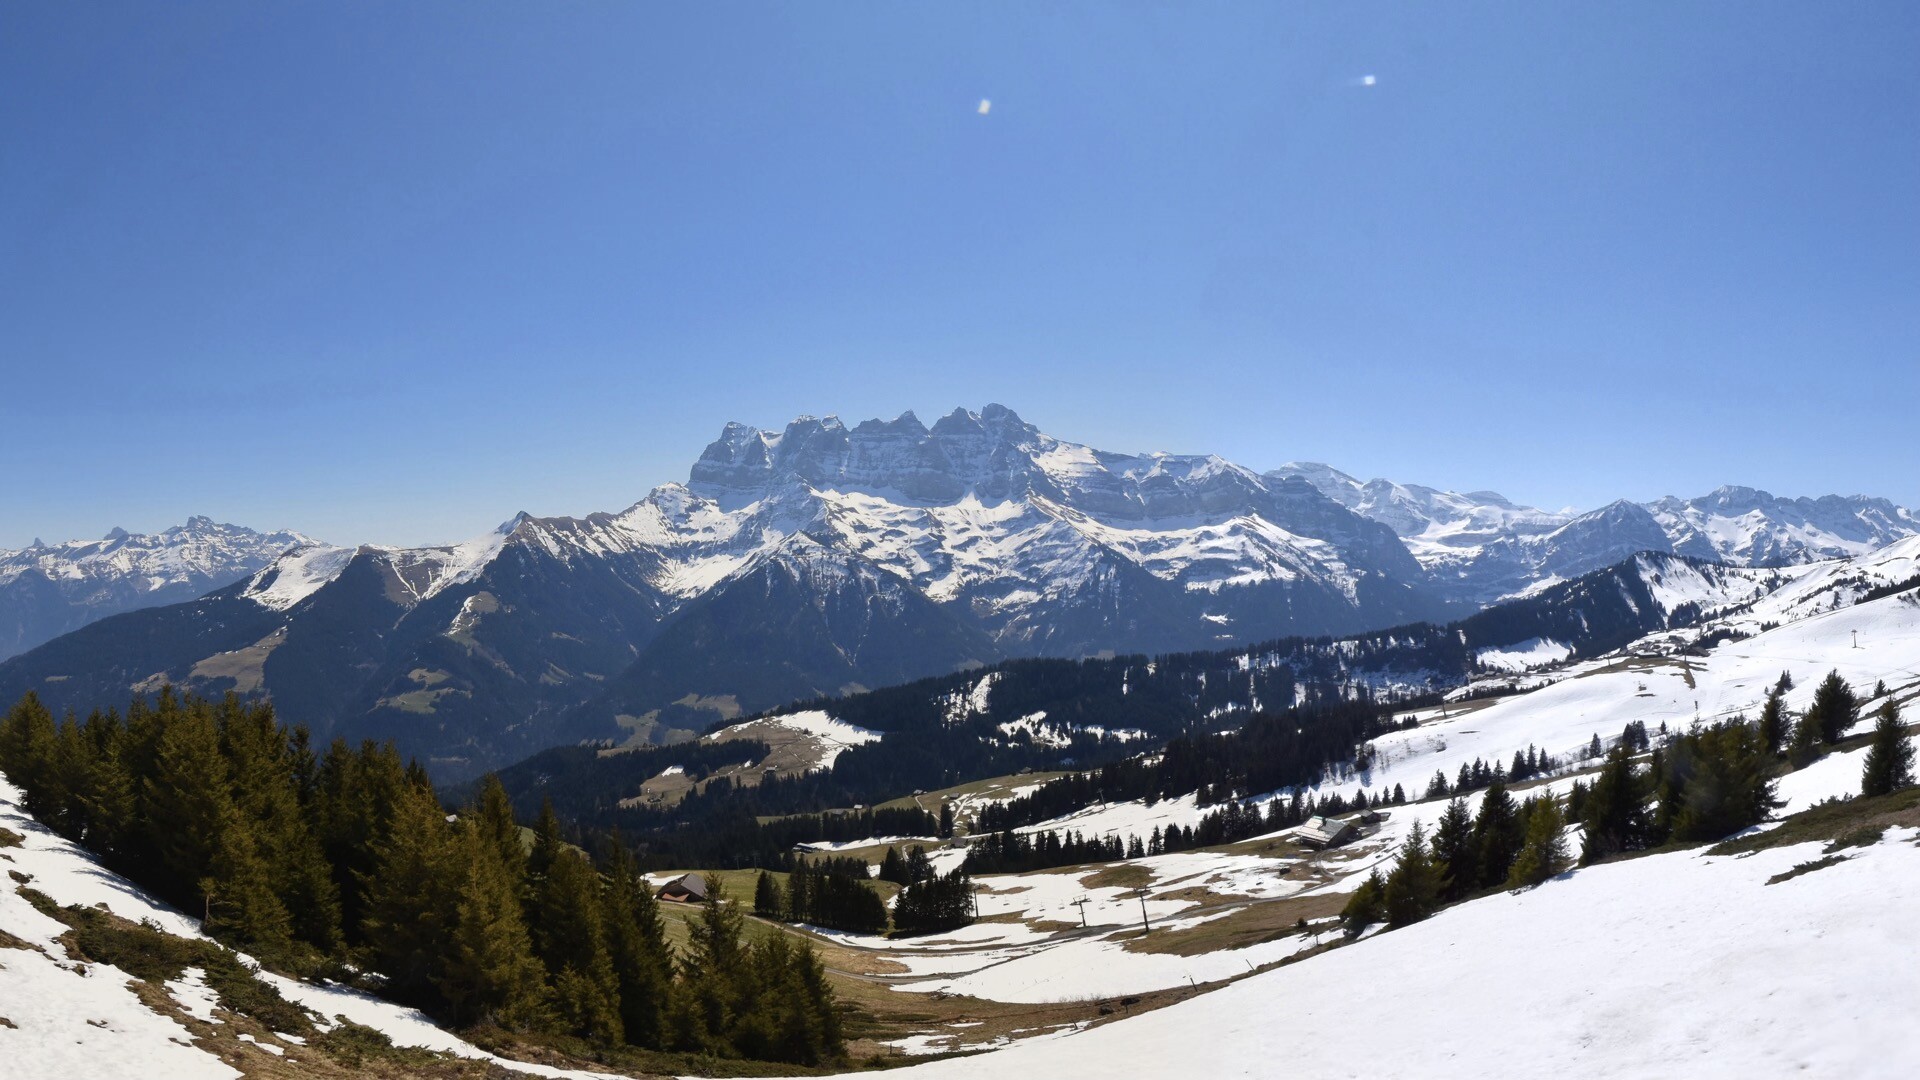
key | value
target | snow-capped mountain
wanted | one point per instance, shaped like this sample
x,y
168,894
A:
x,y
49,589
823,558
810,560
1479,547
1755,528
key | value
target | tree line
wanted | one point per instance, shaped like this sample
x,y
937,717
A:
x,y
346,860
1704,784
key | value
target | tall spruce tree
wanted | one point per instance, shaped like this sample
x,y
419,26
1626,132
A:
x,y
1613,812
1889,764
1773,722
767,901
1835,708
1544,852
1413,887
1498,832
1454,848
570,936
185,802
409,897
637,945
241,905
491,975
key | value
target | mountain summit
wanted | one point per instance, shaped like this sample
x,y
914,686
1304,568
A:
x,y
49,589
821,558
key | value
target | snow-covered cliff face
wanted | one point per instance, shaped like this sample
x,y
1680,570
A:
x,y
1480,547
1756,528
790,564
49,589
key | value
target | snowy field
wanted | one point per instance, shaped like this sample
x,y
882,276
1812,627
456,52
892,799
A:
x,y
1665,966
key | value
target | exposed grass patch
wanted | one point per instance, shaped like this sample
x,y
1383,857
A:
x,y
1806,868
9,838
353,1045
1830,821
1864,836
1255,924
1119,876
149,953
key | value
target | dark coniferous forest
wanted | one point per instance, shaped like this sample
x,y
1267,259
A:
x,y
345,859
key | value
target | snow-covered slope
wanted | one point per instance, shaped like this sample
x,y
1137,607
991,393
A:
x,y
1682,964
49,589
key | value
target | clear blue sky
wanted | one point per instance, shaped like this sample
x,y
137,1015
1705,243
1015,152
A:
x,y
391,272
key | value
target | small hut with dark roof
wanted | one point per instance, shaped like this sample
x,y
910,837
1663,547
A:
x,y
1324,832
685,889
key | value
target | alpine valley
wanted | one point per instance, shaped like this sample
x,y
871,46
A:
x,y
825,560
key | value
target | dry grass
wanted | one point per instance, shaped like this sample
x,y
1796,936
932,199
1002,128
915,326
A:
x,y
1266,920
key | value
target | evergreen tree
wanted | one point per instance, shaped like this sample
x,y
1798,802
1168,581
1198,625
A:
x,y
1413,887
1773,722
1544,852
894,868
1835,708
491,975
638,948
1804,746
409,899
1889,764
713,971
1716,781
492,811
1456,851
185,802
569,934
241,905
1613,811
1498,833
1367,905
767,902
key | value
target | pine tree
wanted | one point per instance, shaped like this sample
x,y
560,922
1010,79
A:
x,y
1413,888
1613,812
569,933
767,902
1367,905
1544,853
26,748
241,905
409,901
892,867
1773,722
1715,781
491,975
493,811
1835,708
1804,746
638,948
185,803
713,972
266,792
1889,764
1454,848
1498,833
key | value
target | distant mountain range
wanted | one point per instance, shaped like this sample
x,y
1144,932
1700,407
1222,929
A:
x,y
48,590
824,559
1479,547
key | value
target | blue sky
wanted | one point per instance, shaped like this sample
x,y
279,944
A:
x,y
393,272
